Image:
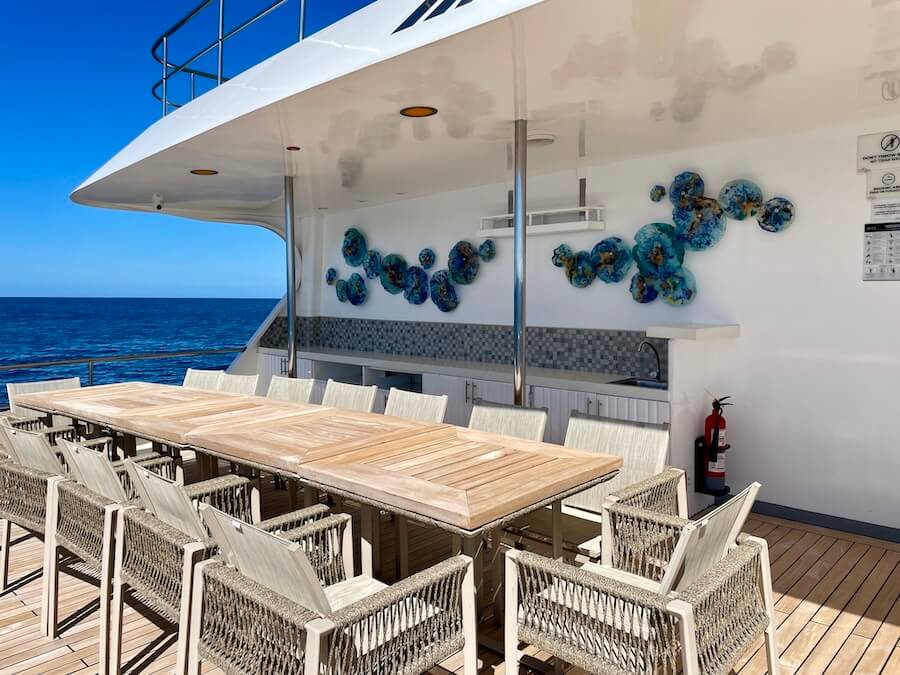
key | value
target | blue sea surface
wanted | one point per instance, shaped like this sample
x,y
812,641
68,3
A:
x,y
49,329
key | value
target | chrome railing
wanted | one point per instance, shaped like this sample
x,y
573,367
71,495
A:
x,y
90,361
161,49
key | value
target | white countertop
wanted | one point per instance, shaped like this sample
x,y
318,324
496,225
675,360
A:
x,y
597,383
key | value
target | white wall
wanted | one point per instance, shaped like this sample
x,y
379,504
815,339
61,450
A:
x,y
816,372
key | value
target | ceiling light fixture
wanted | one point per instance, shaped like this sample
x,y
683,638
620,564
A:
x,y
419,111
541,139
204,172
293,148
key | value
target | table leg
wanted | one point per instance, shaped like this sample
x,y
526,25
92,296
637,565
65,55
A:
x,y
557,530
366,539
127,444
401,546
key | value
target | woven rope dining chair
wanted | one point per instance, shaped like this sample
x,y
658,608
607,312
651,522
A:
x,y
290,389
349,396
202,379
263,607
158,543
18,413
643,449
239,384
694,611
508,420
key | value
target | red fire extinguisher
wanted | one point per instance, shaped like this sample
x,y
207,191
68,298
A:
x,y
716,443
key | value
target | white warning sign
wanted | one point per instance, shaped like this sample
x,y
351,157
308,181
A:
x,y
882,183
877,150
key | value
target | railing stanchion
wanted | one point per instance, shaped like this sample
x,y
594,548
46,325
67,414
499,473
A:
x,y
165,77
302,30
193,87
221,42
91,373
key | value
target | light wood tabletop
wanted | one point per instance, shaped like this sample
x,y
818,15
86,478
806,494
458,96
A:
x,y
463,478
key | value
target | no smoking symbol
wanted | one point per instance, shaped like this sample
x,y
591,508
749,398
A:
x,y
888,179
890,142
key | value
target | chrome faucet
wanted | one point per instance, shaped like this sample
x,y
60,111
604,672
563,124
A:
x,y
655,374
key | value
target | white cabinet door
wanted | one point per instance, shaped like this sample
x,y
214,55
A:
x,y
492,392
633,409
559,403
458,407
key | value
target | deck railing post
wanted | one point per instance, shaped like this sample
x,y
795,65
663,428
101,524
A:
x,y
291,253
221,60
165,76
520,186
90,373
302,29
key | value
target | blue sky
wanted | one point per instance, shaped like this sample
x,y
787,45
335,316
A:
x,y
76,87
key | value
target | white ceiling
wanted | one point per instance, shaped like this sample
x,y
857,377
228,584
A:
x,y
610,79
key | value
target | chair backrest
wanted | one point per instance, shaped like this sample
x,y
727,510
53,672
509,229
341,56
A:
x,y
642,447
706,541
290,389
14,389
203,379
276,563
239,384
421,407
166,500
349,396
93,470
496,418
30,449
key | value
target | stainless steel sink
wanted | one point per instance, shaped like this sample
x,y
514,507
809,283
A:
x,y
642,382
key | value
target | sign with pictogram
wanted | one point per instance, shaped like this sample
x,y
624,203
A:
x,y
878,150
883,183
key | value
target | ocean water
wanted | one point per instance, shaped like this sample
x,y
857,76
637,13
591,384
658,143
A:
x,y
47,329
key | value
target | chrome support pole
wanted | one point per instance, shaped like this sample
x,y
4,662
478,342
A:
x,y
301,32
165,77
291,253
520,201
221,59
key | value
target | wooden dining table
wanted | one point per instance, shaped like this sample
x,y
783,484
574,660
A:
x,y
467,482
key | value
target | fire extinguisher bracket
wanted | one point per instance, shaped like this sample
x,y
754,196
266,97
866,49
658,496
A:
x,y
699,462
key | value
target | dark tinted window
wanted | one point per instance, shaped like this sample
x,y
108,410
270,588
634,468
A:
x,y
322,13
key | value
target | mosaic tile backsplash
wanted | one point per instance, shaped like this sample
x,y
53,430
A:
x,y
602,351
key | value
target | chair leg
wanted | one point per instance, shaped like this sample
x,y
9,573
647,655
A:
x,y
5,528
193,657
114,635
49,582
470,623
688,628
511,624
106,575
771,630
192,554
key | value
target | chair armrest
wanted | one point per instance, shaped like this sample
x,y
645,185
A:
x,y
101,443
231,494
729,608
406,628
81,520
23,495
641,542
657,493
294,519
164,466
328,545
237,611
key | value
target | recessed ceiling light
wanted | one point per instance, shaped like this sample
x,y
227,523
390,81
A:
x,y
541,139
419,111
204,172
362,201
293,148
323,208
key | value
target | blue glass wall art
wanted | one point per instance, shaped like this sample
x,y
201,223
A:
x,y
702,225
580,270
562,254
340,288
416,291
657,192
372,264
463,263
356,290
487,251
331,276
679,288
741,199
393,273
611,259
776,214
443,292
644,289
354,247
686,187
427,258
657,251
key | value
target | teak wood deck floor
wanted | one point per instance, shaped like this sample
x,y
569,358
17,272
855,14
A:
x,y
837,597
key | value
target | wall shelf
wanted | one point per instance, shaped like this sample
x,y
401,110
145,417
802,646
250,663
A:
x,y
553,221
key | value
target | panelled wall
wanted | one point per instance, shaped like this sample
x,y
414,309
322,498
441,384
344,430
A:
x,y
816,370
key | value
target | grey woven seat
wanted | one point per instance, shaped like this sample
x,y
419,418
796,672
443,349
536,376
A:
x,y
239,384
497,418
349,396
697,612
158,545
290,389
270,609
202,379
